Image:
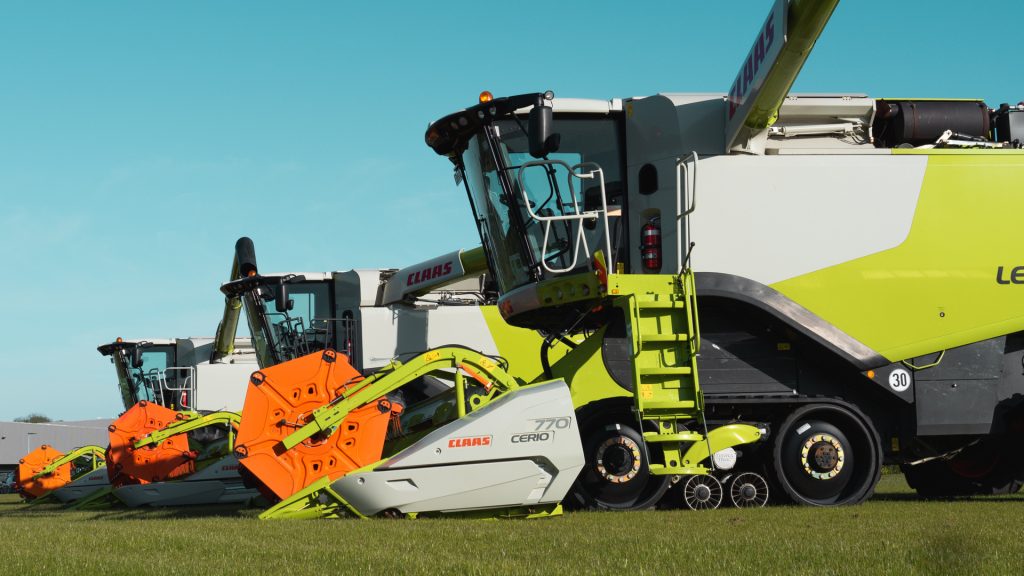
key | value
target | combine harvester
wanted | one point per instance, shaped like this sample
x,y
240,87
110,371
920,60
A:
x,y
857,277
450,430
46,474
379,318
174,444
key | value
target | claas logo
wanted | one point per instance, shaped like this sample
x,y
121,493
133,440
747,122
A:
x,y
469,442
428,273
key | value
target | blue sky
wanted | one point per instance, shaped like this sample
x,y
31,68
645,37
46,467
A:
x,y
139,140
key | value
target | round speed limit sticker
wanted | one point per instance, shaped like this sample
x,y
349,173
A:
x,y
899,380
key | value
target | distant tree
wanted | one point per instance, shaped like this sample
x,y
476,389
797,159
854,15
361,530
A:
x,y
34,418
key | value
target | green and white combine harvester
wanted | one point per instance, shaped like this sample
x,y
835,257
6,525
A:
x,y
843,325
856,273
852,260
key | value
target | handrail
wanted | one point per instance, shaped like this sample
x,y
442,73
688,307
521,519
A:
x,y
188,385
683,172
578,215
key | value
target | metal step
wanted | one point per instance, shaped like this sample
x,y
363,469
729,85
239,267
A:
x,y
668,405
676,437
660,304
661,469
665,338
667,371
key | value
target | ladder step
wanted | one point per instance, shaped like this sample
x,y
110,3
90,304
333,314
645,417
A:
x,y
667,371
660,304
676,437
667,405
664,337
662,470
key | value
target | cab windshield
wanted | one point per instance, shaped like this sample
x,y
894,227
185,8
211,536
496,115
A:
x,y
152,380
303,328
502,182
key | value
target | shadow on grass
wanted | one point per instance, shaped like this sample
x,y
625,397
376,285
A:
x,y
118,512
911,497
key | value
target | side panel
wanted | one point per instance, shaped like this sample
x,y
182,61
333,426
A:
x,y
942,287
772,218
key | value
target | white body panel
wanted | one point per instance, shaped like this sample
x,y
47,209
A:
x,y
218,483
83,486
809,212
221,385
531,455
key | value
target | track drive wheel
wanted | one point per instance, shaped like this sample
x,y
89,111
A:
x,y
702,492
826,455
616,475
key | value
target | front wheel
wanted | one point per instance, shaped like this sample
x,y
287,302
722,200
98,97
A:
x,y
825,455
616,475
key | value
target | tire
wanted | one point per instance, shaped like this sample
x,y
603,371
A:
x,y
616,475
826,455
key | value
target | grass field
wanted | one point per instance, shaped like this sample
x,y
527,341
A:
x,y
892,534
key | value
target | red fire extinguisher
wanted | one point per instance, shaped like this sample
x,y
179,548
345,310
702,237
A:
x,y
650,245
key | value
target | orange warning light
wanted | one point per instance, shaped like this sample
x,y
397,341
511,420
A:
x,y
486,96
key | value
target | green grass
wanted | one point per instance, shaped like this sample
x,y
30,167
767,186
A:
x,y
892,534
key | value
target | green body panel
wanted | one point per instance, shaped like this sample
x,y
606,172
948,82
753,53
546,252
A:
x,y
583,370
719,439
521,347
937,290
474,260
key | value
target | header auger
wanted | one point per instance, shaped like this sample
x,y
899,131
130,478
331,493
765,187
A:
x,y
47,473
333,443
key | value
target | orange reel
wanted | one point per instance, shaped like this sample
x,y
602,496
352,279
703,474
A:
x,y
280,400
164,461
32,464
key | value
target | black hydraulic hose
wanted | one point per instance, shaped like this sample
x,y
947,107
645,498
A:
x,y
545,347
545,363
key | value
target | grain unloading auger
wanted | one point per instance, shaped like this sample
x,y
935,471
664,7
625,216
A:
x,y
326,441
48,474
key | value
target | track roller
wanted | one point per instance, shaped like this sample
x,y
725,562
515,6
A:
x,y
702,492
748,490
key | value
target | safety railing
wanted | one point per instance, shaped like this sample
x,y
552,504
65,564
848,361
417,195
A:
x,y
177,385
686,185
571,211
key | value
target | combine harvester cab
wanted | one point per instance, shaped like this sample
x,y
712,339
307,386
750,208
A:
x,y
837,311
47,473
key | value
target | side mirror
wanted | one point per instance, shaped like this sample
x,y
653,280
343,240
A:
x,y
137,357
542,141
281,301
